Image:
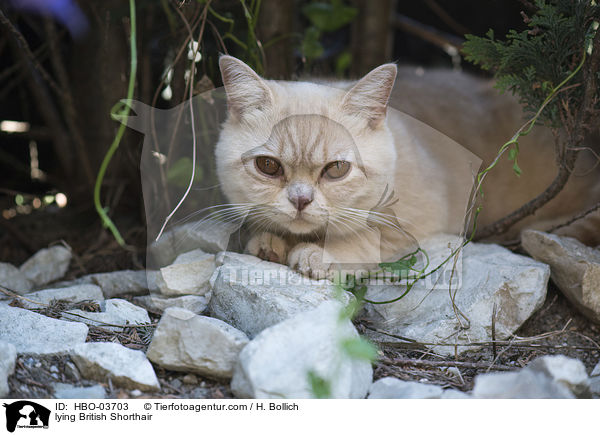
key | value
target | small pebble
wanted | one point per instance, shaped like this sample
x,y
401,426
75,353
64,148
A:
x,y
176,383
190,379
135,393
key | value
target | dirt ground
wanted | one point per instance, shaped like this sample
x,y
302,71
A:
x,y
557,328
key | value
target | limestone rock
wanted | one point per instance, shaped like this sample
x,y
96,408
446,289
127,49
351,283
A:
x,y
212,237
13,279
392,388
184,341
127,368
8,357
68,391
252,294
47,265
547,377
124,282
114,312
486,275
36,334
157,303
76,293
189,274
575,268
279,361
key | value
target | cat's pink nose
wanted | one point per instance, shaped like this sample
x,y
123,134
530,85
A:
x,y
301,202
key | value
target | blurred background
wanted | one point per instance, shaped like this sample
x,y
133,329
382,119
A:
x,y
64,64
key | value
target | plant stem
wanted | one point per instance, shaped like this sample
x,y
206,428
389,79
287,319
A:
x,y
106,221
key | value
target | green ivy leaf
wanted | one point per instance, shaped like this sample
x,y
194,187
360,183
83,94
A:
x,y
180,172
401,267
311,47
329,17
359,348
320,387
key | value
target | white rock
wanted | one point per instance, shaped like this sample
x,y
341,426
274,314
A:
x,y
127,368
114,312
490,275
36,334
8,357
13,279
124,282
189,274
68,391
73,294
252,294
157,304
211,237
575,268
524,384
392,388
277,363
184,341
47,265
569,372
454,394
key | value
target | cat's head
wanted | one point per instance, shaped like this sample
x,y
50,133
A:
x,y
302,157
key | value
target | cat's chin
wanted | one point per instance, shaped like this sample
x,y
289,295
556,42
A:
x,y
302,226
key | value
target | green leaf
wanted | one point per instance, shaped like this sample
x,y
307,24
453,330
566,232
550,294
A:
x,y
180,172
359,348
401,267
311,47
320,387
329,17
517,170
342,62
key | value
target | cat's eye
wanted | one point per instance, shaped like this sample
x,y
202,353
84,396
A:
x,y
335,170
269,166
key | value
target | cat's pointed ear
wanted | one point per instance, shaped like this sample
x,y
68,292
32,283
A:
x,y
369,97
245,90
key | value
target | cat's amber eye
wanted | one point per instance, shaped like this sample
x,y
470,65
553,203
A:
x,y
269,166
335,170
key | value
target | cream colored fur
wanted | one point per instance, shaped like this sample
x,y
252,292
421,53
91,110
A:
x,y
396,191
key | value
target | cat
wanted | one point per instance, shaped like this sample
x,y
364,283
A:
x,y
329,175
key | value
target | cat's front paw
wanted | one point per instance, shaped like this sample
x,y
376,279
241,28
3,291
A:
x,y
307,258
268,247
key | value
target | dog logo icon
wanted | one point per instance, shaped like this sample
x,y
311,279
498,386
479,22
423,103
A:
x,y
26,414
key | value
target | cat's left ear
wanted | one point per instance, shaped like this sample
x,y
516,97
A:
x,y
369,97
245,90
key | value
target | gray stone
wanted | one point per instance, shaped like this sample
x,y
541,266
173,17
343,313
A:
x,y
454,394
47,265
114,312
211,237
13,279
547,377
565,371
8,357
575,268
36,334
279,361
68,391
73,294
486,275
184,341
157,304
392,388
252,294
127,368
189,274
124,282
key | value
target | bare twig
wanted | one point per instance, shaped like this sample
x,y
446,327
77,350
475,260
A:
x,y
457,364
428,33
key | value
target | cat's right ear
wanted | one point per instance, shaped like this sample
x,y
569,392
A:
x,y
246,91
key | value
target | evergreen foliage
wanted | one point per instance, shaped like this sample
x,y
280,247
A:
x,y
531,63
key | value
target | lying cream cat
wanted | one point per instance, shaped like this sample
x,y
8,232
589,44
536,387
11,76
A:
x,y
328,175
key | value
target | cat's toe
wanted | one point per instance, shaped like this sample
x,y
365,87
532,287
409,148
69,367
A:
x,y
307,258
269,247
